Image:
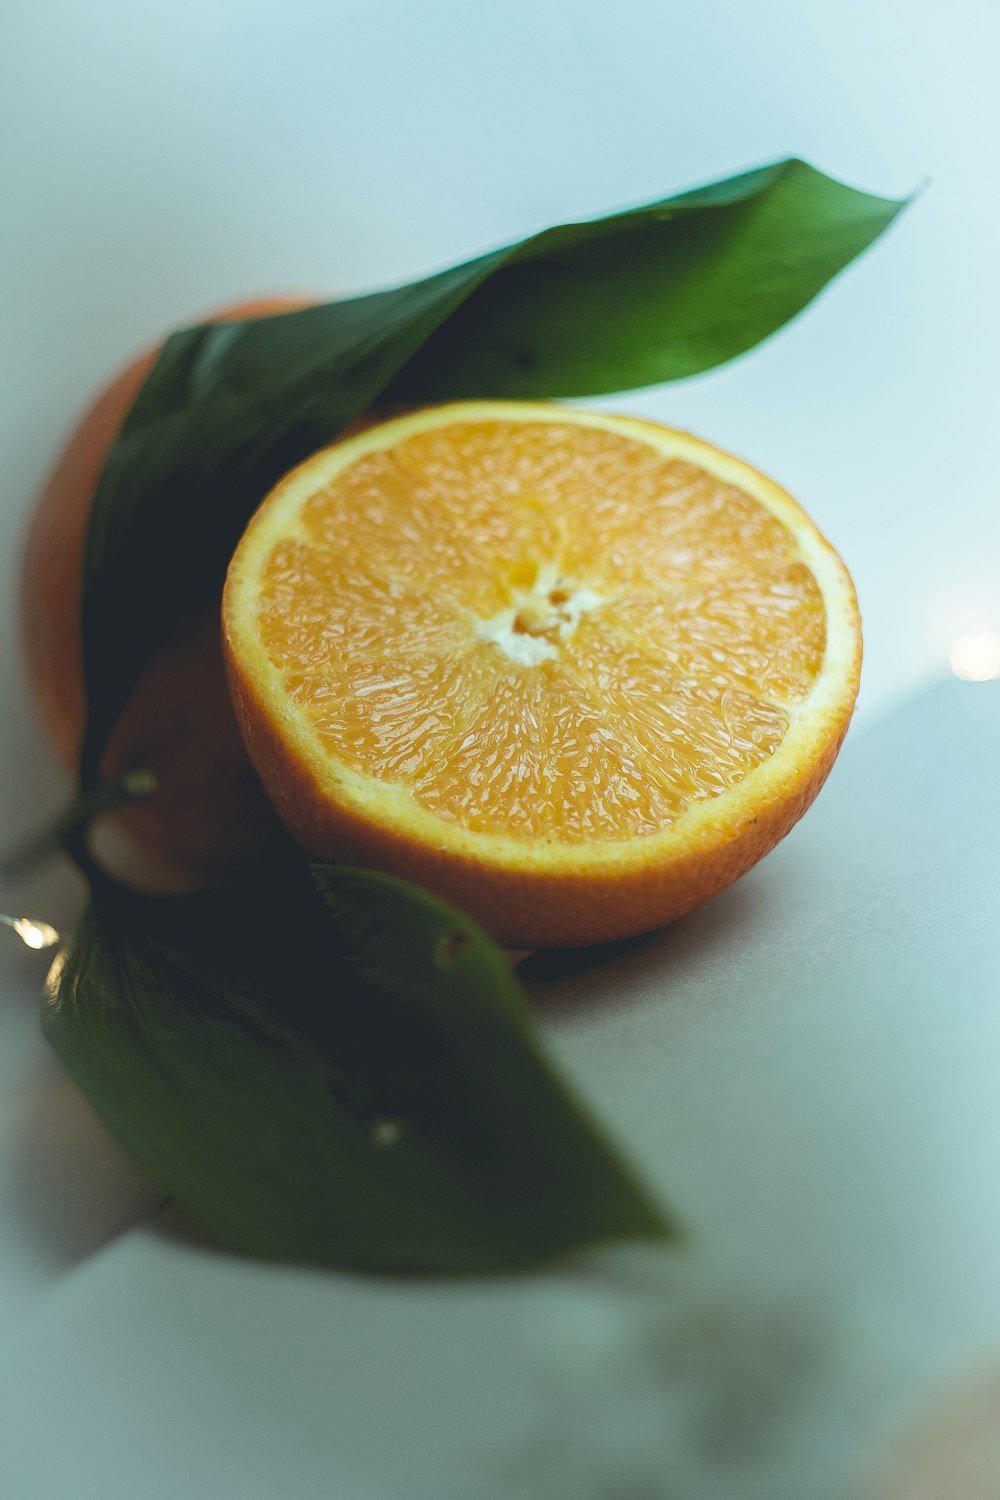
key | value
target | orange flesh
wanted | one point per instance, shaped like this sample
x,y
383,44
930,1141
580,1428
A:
x,y
543,631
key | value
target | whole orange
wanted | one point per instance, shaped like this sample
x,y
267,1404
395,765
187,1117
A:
x,y
209,810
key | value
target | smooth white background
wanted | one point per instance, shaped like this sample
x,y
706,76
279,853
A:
x,y
159,161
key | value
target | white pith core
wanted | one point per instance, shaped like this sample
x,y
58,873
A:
x,y
529,630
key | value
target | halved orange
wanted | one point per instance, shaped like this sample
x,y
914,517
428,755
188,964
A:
x,y
575,672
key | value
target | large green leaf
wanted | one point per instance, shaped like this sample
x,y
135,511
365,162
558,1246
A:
x,y
347,1079
663,292
641,297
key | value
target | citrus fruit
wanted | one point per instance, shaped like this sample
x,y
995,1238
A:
x,y
575,672
208,810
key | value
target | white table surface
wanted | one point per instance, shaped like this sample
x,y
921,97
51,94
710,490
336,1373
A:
x,y
162,161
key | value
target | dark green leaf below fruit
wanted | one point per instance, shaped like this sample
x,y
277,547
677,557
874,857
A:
x,y
333,1068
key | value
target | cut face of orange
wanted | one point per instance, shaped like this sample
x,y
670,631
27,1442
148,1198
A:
x,y
575,672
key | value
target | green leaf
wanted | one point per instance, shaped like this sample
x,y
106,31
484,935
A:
x,y
346,1080
650,295
663,292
